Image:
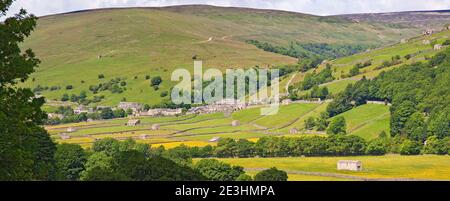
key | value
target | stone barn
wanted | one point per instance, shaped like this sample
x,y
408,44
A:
x,y
235,123
133,122
214,139
71,129
293,131
64,136
286,102
155,127
349,165
437,47
144,136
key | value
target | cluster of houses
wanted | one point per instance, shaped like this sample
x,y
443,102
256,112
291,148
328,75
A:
x,y
226,106
314,100
160,112
135,107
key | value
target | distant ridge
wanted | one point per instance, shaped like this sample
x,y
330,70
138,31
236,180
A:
x,y
177,7
231,7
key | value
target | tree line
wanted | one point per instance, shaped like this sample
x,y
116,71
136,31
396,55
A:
x,y
310,55
333,145
113,160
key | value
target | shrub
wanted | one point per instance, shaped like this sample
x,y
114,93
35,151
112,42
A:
x,y
376,147
65,97
272,174
101,76
156,81
409,147
446,42
215,170
164,94
436,146
69,87
310,123
337,126
244,177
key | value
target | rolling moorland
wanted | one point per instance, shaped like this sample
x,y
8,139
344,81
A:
x,y
348,124
138,44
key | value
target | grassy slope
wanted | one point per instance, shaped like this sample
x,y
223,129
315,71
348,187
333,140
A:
x,y
367,121
139,42
343,65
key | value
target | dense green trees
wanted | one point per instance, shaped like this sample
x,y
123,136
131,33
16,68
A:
x,y
337,126
70,160
334,145
340,145
106,113
215,170
26,150
272,174
434,145
315,79
409,147
376,147
310,55
316,92
129,161
310,122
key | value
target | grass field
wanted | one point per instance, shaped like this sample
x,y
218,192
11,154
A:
x,y
154,41
374,167
367,120
191,129
299,177
286,115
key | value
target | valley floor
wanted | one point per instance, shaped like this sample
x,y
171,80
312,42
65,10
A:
x,y
366,121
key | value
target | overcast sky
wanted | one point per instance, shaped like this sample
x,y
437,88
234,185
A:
x,y
317,7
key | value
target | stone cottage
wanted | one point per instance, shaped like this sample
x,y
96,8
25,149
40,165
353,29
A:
x,y
351,165
133,122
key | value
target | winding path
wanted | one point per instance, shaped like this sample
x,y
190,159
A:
x,y
289,83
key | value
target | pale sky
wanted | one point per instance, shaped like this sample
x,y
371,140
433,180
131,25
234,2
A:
x,y
316,7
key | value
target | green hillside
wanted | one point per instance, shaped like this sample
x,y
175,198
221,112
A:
x,y
418,49
75,48
367,121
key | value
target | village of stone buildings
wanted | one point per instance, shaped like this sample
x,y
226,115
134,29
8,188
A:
x,y
226,106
